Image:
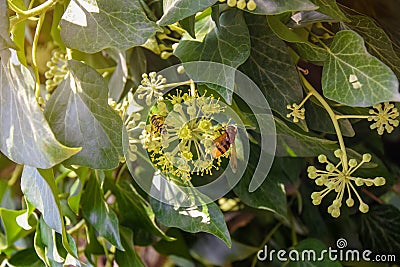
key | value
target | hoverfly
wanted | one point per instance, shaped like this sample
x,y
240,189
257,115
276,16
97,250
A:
x,y
224,142
157,124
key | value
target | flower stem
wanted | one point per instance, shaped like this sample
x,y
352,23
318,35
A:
x,y
338,117
333,118
25,14
34,54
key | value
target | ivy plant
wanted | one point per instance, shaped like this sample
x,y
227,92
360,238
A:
x,y
115,116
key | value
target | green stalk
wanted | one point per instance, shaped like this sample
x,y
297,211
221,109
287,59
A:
x,y
333,117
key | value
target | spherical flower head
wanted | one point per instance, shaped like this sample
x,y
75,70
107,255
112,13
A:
x,y
298,113
151,87
251,5
187,134
338,178
385,116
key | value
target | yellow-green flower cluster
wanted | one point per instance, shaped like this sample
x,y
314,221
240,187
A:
x,y
165,41
241,4
57,70
185,145
151,86
298,112
340,179
384,117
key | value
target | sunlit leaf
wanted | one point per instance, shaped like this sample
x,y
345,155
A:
x,y
40,190
353,77
91,26
23,139
376,40
230,44
79,114
205,218
175,10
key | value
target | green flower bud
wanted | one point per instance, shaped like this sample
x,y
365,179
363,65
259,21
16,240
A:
x,y
322,158
350,202
364,208
367,157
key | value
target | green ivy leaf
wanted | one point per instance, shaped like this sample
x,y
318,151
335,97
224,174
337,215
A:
x,y
128,257
315,245
296,143
96,212
270,195
40,190
24,140
175,10
46,243
379,229
376,40
307,50
330,8
271,7
353,77
76,190
26,258
96,25
79,114
230,44
205,218
318,120
271,67
188,24
5,40
137,212
12,230
43,196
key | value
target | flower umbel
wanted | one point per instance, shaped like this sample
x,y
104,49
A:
x,y
385,116
298,113
185,145
151,86
337,178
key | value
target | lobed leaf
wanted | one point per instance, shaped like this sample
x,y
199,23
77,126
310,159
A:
x,y
176,10
271,67
205,218
376,40
91,26
353,77
79,114
26,137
